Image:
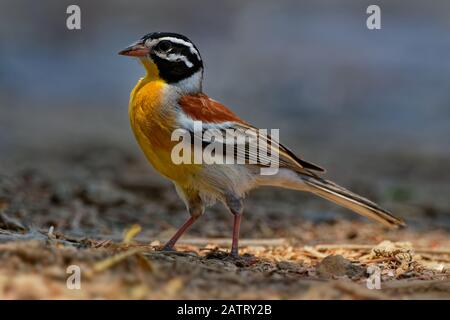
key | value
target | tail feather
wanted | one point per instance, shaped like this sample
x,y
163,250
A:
x,y
331,191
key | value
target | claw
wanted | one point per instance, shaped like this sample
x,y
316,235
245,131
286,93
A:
x,y
168,248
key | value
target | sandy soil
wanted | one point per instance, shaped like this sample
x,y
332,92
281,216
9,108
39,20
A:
x,y
103,209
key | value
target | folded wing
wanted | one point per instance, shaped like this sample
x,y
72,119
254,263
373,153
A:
x,y
216,116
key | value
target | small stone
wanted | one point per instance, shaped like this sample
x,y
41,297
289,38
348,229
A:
x,y
338,266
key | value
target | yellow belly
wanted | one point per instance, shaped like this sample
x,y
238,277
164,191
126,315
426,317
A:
x,y
153,124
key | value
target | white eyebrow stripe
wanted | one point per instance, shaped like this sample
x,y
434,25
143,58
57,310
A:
x,y
183,42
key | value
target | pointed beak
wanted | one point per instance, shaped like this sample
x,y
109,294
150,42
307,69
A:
x,y
137,49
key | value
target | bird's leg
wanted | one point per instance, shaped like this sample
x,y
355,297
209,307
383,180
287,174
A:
x,y
169,245
235,242
236,206
195,207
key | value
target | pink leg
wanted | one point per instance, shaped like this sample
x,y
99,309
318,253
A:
x,y
236,227
169,245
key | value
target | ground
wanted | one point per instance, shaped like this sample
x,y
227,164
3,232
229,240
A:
x,y
104,210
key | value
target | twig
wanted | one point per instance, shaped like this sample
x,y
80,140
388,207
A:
x,y
415,282
433,251
227,242
111,261
434,257
324,247
6,236
102,243
314,252
377,260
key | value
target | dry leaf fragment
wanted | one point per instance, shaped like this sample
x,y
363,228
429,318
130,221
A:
x,y
131,233
111,261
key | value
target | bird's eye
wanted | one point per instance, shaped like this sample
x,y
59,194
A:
x,y
164,45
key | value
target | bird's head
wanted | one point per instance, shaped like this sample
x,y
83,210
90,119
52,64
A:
x,y
170,57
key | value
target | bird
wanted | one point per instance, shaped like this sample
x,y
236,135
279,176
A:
x,y
170,97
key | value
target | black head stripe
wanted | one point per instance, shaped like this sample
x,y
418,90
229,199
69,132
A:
x,y
180,62
172,71
159,35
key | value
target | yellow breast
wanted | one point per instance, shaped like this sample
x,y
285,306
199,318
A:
x,y
153,123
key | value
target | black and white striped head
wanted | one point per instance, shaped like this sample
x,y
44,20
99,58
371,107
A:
x,y
174,55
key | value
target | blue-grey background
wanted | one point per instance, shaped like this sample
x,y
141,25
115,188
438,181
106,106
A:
x,y
371,106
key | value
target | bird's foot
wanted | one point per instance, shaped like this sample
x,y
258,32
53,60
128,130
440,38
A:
x,y
234,254
245,260
166,248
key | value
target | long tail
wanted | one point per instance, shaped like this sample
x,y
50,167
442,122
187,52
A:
x,y
331,191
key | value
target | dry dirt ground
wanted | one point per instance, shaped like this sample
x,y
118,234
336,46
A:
x,y
104,211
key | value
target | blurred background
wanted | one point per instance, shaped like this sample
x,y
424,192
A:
x,y
373,107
